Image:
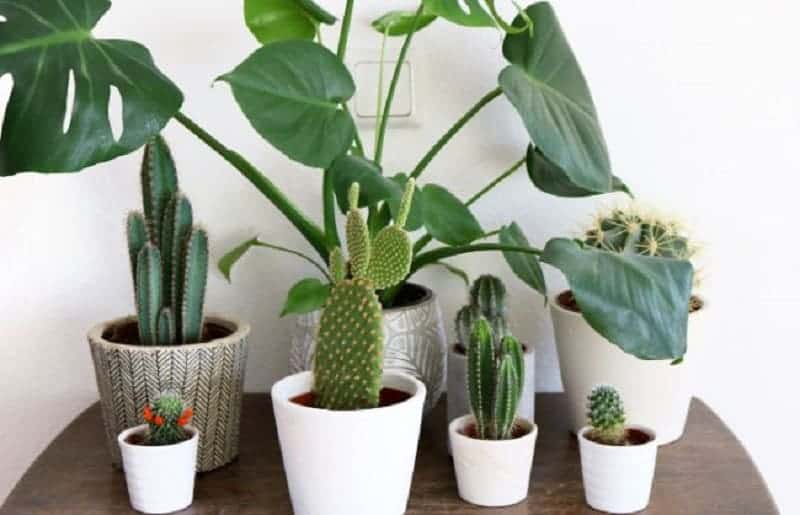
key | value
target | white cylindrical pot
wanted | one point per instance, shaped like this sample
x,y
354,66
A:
x,y
348,462
492,472
160,478
616,478
657,393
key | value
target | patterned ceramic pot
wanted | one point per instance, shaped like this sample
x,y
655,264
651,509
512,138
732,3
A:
x,y
209,377
415,342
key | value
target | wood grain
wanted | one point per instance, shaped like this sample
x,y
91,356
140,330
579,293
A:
x,y
707,472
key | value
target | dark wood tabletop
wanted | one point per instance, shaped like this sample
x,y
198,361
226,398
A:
x,y
708,472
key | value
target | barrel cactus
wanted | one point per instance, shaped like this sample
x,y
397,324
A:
x,y
348,361
488,300
606,415
495,375
166,419
168,255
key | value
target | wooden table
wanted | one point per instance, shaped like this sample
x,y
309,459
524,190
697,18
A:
x,y
707,473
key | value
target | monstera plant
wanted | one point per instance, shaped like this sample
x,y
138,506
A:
x,y
295,93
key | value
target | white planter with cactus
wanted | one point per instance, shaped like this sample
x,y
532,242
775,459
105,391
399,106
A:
x,y
493,448
618,462
160,457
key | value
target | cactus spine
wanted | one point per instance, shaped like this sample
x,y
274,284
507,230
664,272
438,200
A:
x,y
488,300
348,362
166,419
606,415
169,257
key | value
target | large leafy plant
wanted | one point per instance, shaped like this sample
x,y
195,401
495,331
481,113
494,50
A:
x,y
294,91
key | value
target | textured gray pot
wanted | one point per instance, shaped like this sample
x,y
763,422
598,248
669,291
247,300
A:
x,y
209,377
415,343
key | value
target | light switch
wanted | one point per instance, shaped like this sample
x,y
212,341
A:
x,y
367,77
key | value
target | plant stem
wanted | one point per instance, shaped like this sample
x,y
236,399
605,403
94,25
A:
x,y
425,161
344,34
432,256
379,108
311,231
398,68
329,210
496,181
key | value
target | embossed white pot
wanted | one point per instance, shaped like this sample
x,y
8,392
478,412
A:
x,y
415,343
160,478
657,393
617,479
348,462
492,472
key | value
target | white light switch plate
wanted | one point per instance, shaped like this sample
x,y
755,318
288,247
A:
x,y
365,67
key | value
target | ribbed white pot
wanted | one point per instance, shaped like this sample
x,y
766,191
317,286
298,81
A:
x,y
160,478
492,472
348,462
657,393
617,479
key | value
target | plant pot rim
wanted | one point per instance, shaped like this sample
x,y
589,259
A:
x,y
153,449
285,402
621,448
556,305
428,296
454,428
239,329
453,348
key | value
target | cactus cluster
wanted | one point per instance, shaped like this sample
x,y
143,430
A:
x,y
168,255
606,415
488,300
348,361
495,377
166,419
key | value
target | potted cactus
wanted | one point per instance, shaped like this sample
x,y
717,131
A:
x,y
170,345
487,299
654,379
618,462
160,457
348,430
492,447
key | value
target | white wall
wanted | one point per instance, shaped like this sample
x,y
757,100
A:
x,y
700,105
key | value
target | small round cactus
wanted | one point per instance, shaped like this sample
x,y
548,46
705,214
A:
x,y
166,419
607,415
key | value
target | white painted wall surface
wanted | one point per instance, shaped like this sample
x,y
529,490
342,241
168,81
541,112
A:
x,y
700,104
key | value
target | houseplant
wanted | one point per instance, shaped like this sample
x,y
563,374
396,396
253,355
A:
x,y
655,381
618,462
302,110
350,416
487,299
170,345
492,447
160,457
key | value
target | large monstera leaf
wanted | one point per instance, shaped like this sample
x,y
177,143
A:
x,y
639,303
469,13
292,92
546,85
42,43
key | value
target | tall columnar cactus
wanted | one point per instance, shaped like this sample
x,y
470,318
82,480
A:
x,y
166,419
348,363
488,300
495,375
606,415
169,256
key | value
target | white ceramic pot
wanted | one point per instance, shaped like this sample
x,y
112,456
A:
x,y
492,472
657,393
617,479
160,478
348,462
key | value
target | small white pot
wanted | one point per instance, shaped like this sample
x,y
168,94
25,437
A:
x,y
348,462
618,479
492,472
160,478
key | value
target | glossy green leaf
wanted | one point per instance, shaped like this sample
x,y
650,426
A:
x,y
446,218
292,91
42,43
278,20
548,177
525,266
373,187
546,86
399,23
453,10
639,303
306,296
317,12
227,262
415,216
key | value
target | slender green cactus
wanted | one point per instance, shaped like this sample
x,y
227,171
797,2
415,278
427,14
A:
x,y
195,273
348,361
606,415
166,419
159,183
166,327
495,375
487,300
148,293
175,230
138,236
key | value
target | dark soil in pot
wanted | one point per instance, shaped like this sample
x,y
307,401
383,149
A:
x,y
409,295
388,397
140,439
567,301
128,333
471,431
632,437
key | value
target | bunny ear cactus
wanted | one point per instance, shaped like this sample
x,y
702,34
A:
x,y
166,419
488,300
348,363
607,415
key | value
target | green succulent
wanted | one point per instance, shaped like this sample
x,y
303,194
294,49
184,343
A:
x,y
606,415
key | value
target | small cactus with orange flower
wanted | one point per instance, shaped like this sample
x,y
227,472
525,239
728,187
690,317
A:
x,y
167,419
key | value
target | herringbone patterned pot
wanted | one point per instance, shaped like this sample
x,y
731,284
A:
x,y
209,377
